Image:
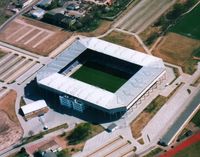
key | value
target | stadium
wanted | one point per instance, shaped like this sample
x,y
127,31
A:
x,y
92,74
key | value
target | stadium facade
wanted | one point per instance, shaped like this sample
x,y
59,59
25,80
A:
x,y
134,75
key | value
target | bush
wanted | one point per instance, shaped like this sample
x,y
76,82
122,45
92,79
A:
x,y
152,38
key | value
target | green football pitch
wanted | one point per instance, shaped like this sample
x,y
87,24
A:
x,y
189,24
98,77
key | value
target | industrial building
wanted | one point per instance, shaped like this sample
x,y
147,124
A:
x,y
34,109
95,74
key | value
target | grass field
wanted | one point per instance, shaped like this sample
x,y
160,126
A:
x,y
98,77
189,24
196,119
191,151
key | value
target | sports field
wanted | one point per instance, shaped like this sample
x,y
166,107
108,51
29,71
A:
x,y
100,76
189,24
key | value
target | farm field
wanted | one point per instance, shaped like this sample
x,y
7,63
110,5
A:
x,y
189,24
98,77
33,36
179,52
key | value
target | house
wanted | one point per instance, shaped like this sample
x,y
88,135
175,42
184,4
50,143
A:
x,y
37,13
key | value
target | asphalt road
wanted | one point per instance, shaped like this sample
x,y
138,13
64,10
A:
x,y
143,14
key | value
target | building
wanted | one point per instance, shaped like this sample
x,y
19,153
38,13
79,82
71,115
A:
x,y
34,109
44,3
101,2
95,74
37,13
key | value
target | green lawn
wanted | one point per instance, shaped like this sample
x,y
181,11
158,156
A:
x,y
191,151
196,119
189,24
97,77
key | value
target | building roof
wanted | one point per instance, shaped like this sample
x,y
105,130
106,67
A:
x,y
152,68
33,106
194,105
38,13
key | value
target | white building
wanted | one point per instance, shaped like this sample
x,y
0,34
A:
x,y
79,95
34,109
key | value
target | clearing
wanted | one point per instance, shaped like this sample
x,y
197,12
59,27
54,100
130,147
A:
x,y
34,36
10,130
179,52
102,28
124,39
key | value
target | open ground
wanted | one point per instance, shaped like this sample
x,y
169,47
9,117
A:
x,y
34,36
179,52
10,130
124,39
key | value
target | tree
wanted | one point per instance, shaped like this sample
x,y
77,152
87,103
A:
x,y
54,4
63,153
178,9
30,133
80,133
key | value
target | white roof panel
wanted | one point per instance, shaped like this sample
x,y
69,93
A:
x,y
33,106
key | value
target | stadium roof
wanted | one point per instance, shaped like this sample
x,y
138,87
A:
x,y
152,68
